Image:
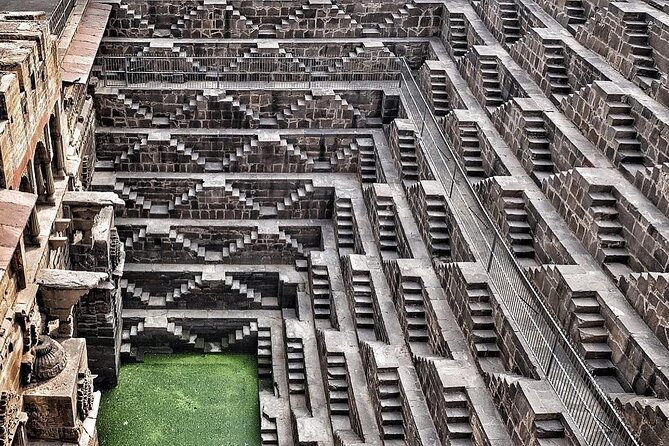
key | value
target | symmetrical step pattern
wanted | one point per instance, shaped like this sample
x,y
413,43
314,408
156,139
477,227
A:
x,y
470,149
295,364
348,240
612,251
406,142
538,145
592,333
492,88
637,37
457,36
363,304
440,101
556,69
412,308
457,416
440,238
519,232
337,384
391,418
367,154
264,353
320,291
575,12
483,332
510,21
629,153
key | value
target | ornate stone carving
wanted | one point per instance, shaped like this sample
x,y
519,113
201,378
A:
x,y
10,411
50,358
84,394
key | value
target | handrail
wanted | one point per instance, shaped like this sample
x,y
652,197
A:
x,y
220,71
590,408
59,16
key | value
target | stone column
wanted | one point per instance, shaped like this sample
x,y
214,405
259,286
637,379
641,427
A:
x,y
52,134
33,226
39,180
49,183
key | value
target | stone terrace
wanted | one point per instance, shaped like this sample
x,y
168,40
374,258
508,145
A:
x,y
285,194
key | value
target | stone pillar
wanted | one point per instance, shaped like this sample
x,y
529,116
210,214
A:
x,y
52,133
49,183
39,180
33,226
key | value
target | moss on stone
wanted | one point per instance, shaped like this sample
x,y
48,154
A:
x,y
183,400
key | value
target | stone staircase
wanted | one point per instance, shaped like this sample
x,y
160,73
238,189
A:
x,y
182,201
185,154
337,384
345,226
629,155
320,291
264,353
440,101
385,224
182,338
252,298
575,12
491,82
457,35
508,10
482,332
406,145
124,160
470,151
391,416
143,114
457,414
637,37
413,308
612,247
519,233
137,19
185,21
295,364
291,200
439,242
135,237
538,145
183,290
367,169
556,70
142,205
233,192
130,292
268,430
510,391
362,299
190,246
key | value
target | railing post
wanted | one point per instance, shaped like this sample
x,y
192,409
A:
x,y
104,71
492,250
126,65
550,364
450,190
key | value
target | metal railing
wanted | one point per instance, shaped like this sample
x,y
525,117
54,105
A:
x,y
227,72
59,16
590,408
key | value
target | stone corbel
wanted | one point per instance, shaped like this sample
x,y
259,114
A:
x,y
62,289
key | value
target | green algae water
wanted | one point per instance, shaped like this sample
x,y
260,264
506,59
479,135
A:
x,y
186,399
